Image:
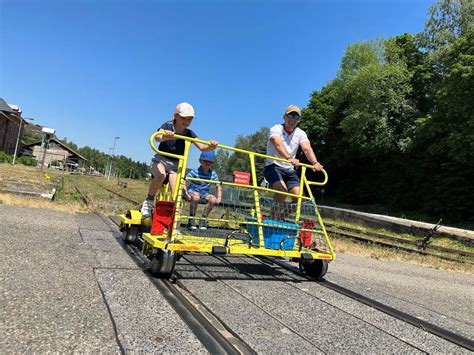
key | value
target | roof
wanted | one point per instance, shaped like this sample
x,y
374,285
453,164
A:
x,y
60,143
5,107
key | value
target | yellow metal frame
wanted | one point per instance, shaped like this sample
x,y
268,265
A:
x,y
135,217
205,245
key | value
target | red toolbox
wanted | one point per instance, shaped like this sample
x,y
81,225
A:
x,y
163,217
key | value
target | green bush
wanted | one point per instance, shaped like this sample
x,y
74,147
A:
x,y
5,158
28,161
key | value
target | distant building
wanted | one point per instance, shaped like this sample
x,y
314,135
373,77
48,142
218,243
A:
x,y
55,151
10,119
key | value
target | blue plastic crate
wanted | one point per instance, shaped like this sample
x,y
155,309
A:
x,y
272,235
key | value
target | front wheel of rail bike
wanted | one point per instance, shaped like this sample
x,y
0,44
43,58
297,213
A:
x,y
314,269
162,263
130,234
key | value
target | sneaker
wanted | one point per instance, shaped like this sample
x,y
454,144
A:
x,y
191,224
202,224
147,208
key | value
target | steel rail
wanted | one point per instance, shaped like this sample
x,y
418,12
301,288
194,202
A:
x,y
448,335
394,246
401,240
216,337
87,201
119,194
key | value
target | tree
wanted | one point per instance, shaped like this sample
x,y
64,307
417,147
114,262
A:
x,y
449,20
257,142
397,129
222,159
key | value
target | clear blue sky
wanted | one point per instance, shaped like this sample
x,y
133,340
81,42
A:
x,y
96,69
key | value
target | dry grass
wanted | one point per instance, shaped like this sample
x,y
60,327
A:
x,y
376,252
434,241
37,202
27,174
103,200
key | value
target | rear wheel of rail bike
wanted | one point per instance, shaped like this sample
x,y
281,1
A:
x,y
130,234
162,263
314,269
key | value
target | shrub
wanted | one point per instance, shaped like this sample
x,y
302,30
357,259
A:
x,y
28,161
5,158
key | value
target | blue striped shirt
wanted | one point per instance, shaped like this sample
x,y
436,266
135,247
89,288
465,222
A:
x,y
199,186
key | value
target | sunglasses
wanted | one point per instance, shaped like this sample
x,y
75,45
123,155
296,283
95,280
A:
x,y
293,116
208,162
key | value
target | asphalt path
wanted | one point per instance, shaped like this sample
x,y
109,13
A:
x,y
66,284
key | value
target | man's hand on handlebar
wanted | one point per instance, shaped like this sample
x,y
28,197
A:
x,y
294,162
317,167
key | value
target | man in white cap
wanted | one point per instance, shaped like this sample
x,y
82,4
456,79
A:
x,y
161,165
283,142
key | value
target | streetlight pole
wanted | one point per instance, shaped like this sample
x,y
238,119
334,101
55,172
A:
x,y
106,170
18,138
112,157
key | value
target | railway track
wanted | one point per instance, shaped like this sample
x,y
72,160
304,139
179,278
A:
x,y
400,244
108,200
208,328
217,337
382,240
407,318
121,195
220,338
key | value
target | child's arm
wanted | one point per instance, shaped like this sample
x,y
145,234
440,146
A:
x,y
164,135
219,193
215,177
187,196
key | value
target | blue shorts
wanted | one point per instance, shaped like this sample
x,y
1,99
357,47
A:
x,y
274,173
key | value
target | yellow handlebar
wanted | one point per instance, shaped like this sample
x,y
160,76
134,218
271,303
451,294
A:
x,y
197,140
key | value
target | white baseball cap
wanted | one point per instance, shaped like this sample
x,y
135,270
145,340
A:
x,y
185,110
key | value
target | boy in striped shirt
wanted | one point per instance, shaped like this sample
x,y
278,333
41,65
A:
x,y
194,191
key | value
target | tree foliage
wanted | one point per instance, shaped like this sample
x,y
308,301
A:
x,y
396,125
228,162
121,165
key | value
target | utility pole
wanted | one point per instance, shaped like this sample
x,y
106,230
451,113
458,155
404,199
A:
x,y
106,171
47,136
18,138
112,157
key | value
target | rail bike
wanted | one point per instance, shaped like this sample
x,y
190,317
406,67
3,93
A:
x,y
246,222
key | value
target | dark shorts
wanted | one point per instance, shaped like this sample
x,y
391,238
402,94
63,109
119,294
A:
x,y
274,173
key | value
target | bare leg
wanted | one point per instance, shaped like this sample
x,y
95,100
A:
x,y
280,186
292,211
276,212
193,204
211,201
159,174
195,197
295,191
172,182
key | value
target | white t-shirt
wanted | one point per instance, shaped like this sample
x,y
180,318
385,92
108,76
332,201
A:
x,y
291,142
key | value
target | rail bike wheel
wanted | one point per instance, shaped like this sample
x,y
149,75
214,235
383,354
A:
x,y
162,263
314,269
130,234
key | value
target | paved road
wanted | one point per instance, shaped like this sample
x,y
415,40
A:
x,y
67,285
